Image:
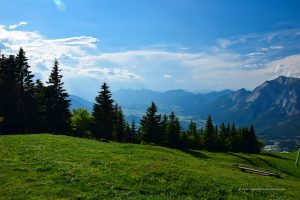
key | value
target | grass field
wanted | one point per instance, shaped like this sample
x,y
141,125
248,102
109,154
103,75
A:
x,y
60,167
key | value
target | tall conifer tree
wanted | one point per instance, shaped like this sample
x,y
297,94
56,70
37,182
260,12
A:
x,y
193,136
26,104
119,125
173,131
57,103
164,125
209,135
103,113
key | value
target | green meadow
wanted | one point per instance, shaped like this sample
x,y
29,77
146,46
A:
x,y
44,166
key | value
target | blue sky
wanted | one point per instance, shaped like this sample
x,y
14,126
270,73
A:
x,y
159,44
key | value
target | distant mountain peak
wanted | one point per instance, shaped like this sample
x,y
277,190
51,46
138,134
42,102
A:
x,y
285,79
243,90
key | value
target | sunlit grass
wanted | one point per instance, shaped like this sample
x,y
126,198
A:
x,y
50,166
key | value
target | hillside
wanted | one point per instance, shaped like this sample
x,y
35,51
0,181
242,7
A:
x,y
51,166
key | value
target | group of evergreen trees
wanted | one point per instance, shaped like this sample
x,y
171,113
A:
x,y
161,130
223,139
109,124
27,106
31,107
108,121
166,131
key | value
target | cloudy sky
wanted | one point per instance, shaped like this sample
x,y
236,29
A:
x,y
197,45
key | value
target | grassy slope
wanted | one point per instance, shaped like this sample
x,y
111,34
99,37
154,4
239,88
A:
x,y
49,166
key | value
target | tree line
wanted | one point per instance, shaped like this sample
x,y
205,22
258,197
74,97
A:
x,y
28,106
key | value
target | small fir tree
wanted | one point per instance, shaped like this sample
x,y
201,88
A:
x,y
103,113
150,126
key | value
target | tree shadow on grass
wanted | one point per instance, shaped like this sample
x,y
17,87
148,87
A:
x,y
243,158
196,154
275,156
274,166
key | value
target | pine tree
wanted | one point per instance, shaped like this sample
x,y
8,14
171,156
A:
x,y
254,143
133,129
127,132
9,92
173,131
234,139
131,135
184,142
221,139
249,143
193,136
150,126
2,59
40,103
164,125
209,135
57,103
192,128
119,125
26,104
103,114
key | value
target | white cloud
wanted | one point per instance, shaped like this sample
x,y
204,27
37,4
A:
x,y
74,53
167,76
264,49
82,62
276,47
111,74
287,66
224,43
17,25
254,54
60,5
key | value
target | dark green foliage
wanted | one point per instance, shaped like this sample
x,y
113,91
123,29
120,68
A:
x,y
40,103
103,114
131,133
173,131
234,139
193,136
27,107
150,126
184,143
57,103
17,94
9,95
210,135
225,138
248,141
164,128
221,140
119,126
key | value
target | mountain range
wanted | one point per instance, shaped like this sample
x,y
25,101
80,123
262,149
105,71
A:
x,y
273,107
